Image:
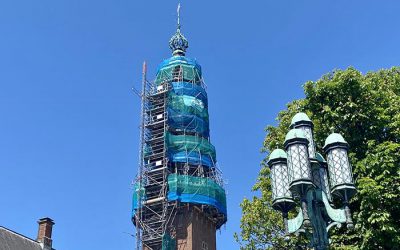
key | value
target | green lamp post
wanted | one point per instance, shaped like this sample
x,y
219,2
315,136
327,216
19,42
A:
x,y
300,175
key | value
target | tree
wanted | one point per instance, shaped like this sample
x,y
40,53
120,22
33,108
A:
x,y
365,109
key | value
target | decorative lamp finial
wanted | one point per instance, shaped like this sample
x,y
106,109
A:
x,y
178,43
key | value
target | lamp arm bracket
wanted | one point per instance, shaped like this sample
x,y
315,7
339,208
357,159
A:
x,y
337,224
295,224
336,215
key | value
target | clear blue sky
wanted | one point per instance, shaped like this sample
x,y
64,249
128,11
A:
x,y
69,121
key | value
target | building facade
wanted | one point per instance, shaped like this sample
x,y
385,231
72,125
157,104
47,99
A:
x,y
179,200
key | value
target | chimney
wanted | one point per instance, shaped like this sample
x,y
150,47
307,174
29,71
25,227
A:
x,y
44,233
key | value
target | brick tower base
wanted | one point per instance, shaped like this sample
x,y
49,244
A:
x,y
194,230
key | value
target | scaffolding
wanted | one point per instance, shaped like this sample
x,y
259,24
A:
x,y
152,210
177,165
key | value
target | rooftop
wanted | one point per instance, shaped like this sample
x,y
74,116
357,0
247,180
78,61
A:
x,y
10,240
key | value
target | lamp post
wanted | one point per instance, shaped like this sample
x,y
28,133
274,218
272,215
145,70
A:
x,y
300,175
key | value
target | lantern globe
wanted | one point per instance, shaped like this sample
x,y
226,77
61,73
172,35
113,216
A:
x,y
340,173
299,169
301,121
281,196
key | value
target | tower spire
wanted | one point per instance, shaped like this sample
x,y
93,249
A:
x,y
178,43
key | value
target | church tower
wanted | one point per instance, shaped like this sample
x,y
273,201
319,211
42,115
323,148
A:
x,y
179,200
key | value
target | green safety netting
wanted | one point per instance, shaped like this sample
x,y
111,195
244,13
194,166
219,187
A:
x,y
189,143
147,150
187,68
187,109
176,60
186,72
138,195
188,88
189,105
194,158
187,123
199,190
168,243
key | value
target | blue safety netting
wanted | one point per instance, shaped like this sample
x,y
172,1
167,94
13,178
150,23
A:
x,y
188,123
189,89
186,104
189,143
178,60
186,141
193,189
179,67
187,108
194,158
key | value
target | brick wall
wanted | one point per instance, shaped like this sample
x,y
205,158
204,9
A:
x,y
194,230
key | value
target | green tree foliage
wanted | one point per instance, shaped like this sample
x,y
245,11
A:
x,y
365,109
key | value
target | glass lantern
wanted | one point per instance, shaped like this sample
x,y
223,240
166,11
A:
x,y
281,195
299,169
301,121
340,174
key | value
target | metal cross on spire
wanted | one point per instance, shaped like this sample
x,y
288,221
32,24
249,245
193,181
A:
x,y
178,10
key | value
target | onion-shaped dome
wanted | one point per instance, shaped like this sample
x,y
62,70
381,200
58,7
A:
x,y
178,43
300,118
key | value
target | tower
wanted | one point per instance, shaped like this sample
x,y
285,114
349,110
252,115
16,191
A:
x,y
179,200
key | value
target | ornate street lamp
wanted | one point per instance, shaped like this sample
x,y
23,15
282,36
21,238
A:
x,y
300,175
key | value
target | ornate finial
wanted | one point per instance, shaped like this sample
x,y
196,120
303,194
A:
x,y
178,43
